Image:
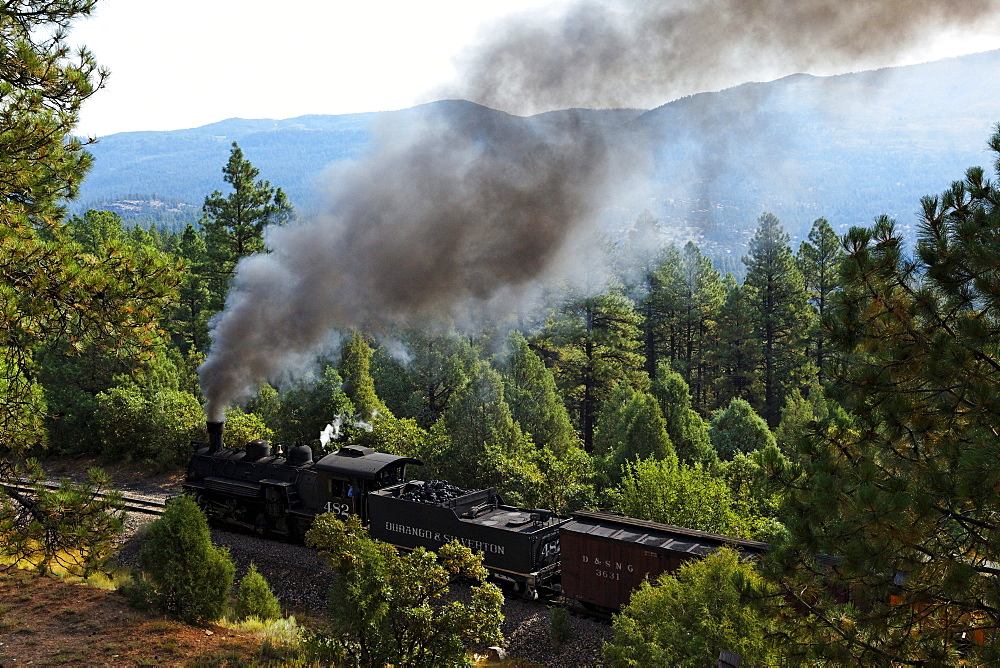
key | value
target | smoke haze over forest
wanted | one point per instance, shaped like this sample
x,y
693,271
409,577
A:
x,y
446,212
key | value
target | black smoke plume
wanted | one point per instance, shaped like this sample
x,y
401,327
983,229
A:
x,y
458,203
455,204
615,53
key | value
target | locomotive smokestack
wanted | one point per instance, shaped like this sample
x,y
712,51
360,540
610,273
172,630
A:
x,y
215,435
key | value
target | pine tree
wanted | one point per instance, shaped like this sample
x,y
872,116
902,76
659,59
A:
x,y
661,309
737,350
234,223
484,446
437,367
818,260
307,406
74,528
781,317
47,289
700,302
96,230
903,493
534,399
631,427
688,431
190,318
593,346
355,369
644,268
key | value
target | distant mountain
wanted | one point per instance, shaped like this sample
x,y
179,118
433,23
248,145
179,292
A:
x,y
847,148
186,165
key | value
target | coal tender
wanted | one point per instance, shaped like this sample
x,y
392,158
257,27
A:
x,y
519,546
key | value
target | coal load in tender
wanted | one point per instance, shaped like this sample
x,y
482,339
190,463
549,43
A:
x,y
434,491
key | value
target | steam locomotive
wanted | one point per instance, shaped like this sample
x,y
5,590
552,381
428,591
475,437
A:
x,y
279,495
594,560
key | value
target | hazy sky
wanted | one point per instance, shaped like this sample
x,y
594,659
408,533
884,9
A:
x,y
186,63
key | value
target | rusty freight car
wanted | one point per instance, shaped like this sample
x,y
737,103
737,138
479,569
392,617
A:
x,y
605,557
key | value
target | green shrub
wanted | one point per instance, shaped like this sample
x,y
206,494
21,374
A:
x,y
140,592
191,577
687,618
255,598
559,625
243,427
154,426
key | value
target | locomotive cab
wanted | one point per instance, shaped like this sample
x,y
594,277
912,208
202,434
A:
x,y
347,476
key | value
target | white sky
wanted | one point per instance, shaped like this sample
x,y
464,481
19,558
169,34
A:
x,y
186,63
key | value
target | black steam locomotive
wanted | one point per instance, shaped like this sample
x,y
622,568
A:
x,y
279,495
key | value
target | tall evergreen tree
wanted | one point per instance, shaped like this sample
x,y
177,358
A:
x,y
661,308
904,494
644,263
48,290
307,406
189,326
480,442
96,230
781,317
593,344
631,427
437,367
701,299
818,260
234,223
534,399
355,369
688,431
736,349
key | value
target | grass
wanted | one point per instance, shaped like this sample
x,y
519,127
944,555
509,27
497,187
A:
x,y
102,580
282,631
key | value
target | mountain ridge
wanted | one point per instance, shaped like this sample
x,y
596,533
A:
x,y
847,147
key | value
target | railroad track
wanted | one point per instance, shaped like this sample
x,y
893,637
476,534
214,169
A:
x,y
132,504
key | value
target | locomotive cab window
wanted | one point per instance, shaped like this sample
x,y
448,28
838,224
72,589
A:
x,y
338,488
389,477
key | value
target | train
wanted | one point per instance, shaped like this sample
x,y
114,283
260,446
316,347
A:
x,y
594,560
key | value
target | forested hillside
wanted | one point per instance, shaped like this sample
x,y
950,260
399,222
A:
x,y
848,147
